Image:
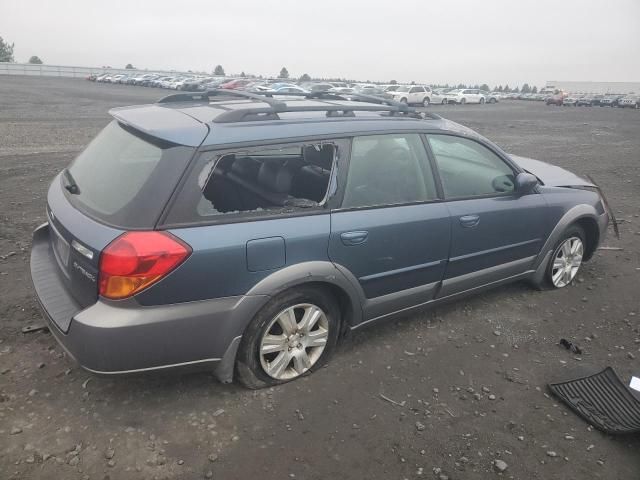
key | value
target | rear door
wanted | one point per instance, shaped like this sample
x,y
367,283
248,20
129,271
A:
x,y
416,94
391,231
495,231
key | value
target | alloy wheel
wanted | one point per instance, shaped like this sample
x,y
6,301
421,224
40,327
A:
x,y
293,341
567,261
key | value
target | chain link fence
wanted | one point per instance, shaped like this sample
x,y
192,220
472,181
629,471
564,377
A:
x,y
65,70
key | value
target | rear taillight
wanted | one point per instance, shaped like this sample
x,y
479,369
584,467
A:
x,y
136,260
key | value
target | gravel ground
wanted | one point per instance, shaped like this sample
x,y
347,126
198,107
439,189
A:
x,y
469,379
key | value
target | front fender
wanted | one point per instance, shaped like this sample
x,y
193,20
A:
x,y
571,216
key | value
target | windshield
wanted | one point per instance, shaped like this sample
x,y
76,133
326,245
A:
x,y
124,178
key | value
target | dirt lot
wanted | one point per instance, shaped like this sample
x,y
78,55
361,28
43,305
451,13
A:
x,y
471,376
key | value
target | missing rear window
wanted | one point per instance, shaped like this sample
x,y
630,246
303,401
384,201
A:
x,y
259,181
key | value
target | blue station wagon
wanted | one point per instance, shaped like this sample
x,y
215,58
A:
x,y
245,233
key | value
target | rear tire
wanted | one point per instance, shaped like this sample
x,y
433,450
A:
x,y
403,100
271,354
492,100
463,101
481,101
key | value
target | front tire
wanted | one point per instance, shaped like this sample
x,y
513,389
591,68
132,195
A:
x,y
463,101
293,335
566,259
425,102
481,101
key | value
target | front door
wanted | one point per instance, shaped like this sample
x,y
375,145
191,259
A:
x,y
391,232
496,232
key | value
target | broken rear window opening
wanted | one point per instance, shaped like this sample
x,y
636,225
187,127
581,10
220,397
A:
x,y
273,179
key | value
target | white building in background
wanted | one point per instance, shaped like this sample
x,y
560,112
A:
x,y
594,87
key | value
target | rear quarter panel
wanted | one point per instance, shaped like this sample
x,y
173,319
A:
x,y
218,265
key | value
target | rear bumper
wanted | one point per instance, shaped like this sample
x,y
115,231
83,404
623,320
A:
x,y
122,337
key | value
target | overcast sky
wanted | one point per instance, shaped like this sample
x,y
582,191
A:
x,y
468,41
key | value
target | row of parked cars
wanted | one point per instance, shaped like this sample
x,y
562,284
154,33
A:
x,y
423,95
410,94
590,100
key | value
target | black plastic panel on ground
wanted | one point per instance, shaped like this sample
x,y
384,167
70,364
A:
x,y
603,401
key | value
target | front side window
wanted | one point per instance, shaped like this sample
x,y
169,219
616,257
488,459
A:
x,y
469,169
388,170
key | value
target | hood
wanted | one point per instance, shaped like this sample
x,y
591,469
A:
x,y
550,174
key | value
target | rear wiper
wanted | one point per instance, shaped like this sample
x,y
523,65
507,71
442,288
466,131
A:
x,y
69,183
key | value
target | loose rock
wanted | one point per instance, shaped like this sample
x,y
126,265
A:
x,y
500,465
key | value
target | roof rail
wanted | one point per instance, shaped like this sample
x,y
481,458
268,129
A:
x,y
332,110
220,92
327,95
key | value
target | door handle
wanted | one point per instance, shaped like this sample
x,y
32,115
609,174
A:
x,y
469,221
354,238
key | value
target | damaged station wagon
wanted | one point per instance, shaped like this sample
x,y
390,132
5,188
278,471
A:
x,y
246,233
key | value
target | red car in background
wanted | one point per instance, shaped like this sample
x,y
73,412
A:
x,y
237,84
555,99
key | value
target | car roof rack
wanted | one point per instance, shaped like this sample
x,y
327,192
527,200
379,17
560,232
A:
x,y
332,110
327,95
270,112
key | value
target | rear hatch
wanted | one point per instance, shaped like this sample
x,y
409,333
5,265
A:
x,y
120,182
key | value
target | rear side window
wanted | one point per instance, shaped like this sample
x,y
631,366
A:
x,y
124,178
256,182
469,169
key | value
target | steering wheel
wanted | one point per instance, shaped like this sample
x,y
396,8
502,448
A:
x,y
503,183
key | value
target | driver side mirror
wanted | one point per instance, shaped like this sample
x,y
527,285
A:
x,y
525,183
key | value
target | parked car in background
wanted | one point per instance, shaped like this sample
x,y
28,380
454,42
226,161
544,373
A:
x,y
465,95
571,100
588,100
555,99
317,87
344,90
412,94
629,101
288,89
490,97
186,236
236,84
213,83
439,95
610,100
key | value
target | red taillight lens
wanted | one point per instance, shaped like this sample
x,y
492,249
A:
x,y
135,260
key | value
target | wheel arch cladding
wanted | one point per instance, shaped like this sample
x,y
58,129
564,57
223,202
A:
x,y
343,300
592,234
316,275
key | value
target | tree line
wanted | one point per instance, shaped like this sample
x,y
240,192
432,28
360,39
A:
x,y
6,55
